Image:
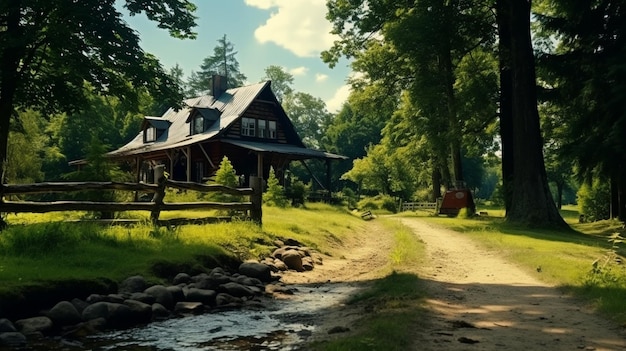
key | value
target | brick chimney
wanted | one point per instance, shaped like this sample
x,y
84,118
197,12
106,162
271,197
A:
x,y
219,86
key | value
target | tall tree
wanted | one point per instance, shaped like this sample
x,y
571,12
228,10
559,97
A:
x,y
48,49
282,81
585,77
309,116
531,201
223,62
416,46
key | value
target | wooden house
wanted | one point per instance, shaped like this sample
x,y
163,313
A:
x,y
246,124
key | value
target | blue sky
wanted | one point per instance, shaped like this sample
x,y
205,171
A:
x,y
287,33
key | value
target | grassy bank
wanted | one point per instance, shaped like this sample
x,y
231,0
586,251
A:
x,y
41,249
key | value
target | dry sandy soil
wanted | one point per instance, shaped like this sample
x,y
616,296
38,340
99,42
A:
x,y
477,300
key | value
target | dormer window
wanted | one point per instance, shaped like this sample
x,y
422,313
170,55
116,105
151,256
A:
x,y
149,134
201,119
197,124
154,128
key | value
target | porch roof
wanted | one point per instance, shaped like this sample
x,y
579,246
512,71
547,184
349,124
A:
x,y
285,149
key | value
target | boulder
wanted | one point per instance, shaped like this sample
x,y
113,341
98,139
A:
x,y
121,316
185,307
96,311
204,296
133,284
64,313
293,260
159,312
182,278
307,263
40,324
236,289
6,326
224,300
141,312
12,339
143,297
177,293
79,304
256,270
280,265
161,295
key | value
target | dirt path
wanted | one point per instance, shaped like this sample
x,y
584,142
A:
x,y
481,302
478,301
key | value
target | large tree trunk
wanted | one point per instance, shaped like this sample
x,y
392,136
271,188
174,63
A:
x,y
614,206
503,17
10,55
436,178
531,201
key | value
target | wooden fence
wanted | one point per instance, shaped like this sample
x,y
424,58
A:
x,y
414,206
252,207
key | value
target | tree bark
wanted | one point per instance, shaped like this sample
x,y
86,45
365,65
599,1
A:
x,y
503,17
531,202
436,178
9,61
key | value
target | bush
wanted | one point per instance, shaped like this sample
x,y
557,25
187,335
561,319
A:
x,y
297,192
275,194
594,200
349,197
384,202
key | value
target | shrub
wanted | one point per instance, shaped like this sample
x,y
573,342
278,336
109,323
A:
x,y
226,174
275,194
594,200
384,202
297,192
389,204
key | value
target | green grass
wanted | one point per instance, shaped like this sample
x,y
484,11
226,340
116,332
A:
x,y
49,250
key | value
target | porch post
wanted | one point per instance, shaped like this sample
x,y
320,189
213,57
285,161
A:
x,y
259,166
188,163
328,177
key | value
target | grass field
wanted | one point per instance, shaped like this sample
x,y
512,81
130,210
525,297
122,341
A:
x,y
40,249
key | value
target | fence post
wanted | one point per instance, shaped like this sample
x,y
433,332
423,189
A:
x,y
159,176
256,213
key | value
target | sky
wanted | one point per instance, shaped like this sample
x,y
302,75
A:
x,y
286,33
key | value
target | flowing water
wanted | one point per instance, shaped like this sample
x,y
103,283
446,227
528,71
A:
x,y
284,324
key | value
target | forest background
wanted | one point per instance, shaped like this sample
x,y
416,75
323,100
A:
x,y
524,104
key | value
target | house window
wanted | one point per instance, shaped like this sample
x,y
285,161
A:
x,y
149,134
198,124
271,129
248,126
262,128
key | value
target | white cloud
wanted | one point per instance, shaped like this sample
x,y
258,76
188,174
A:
x,y
298,26
320,77
299,71
336,102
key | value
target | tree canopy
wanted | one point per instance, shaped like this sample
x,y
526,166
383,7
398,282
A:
x,y
49,51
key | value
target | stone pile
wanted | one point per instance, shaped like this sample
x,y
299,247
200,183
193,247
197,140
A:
x,y
290,254
136,303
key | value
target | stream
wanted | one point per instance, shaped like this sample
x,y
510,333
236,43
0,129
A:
x,y
284,324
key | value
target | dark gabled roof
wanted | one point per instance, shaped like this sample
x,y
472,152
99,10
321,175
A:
x,y
231,105
295,151
156,122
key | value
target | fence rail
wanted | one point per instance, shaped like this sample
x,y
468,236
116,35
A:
x,y
155,206
414,206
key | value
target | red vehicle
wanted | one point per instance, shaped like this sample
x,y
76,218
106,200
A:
x,y
456,198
